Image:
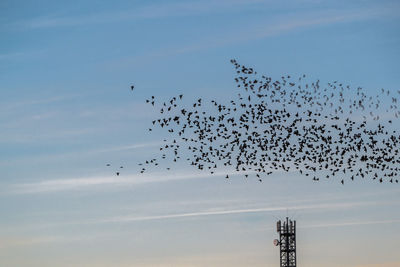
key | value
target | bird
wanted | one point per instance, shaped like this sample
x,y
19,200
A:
x,y
282,125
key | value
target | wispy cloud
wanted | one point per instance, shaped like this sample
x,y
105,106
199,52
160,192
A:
x,y
96,182
160,10
325,207
33,241
272,26
128,147
285,24
217,211
81,153
228,210
181,9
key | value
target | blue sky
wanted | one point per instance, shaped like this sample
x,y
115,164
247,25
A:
x,y
66,110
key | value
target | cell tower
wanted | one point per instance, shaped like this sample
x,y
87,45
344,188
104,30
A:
x,y
286,242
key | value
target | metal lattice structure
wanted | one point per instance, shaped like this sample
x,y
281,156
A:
x,y
287,242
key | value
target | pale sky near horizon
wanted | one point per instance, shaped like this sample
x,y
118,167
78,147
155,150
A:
x,y
66,110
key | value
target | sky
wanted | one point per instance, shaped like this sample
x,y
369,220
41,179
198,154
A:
x,y
66,110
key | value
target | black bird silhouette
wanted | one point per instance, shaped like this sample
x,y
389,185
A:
x,y
282,125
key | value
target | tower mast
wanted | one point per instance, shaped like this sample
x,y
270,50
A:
x,y
286,242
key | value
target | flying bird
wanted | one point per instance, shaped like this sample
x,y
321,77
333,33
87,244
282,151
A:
x,y
283,124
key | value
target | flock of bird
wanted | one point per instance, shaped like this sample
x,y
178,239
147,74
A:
x,y
331,131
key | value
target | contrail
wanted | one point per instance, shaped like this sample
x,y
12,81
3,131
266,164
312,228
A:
x,y
227,212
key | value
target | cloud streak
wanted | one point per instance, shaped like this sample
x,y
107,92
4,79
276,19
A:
x,y
84,153
93,182
154,11
286,24
34,241
274,26
324,207
184,9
